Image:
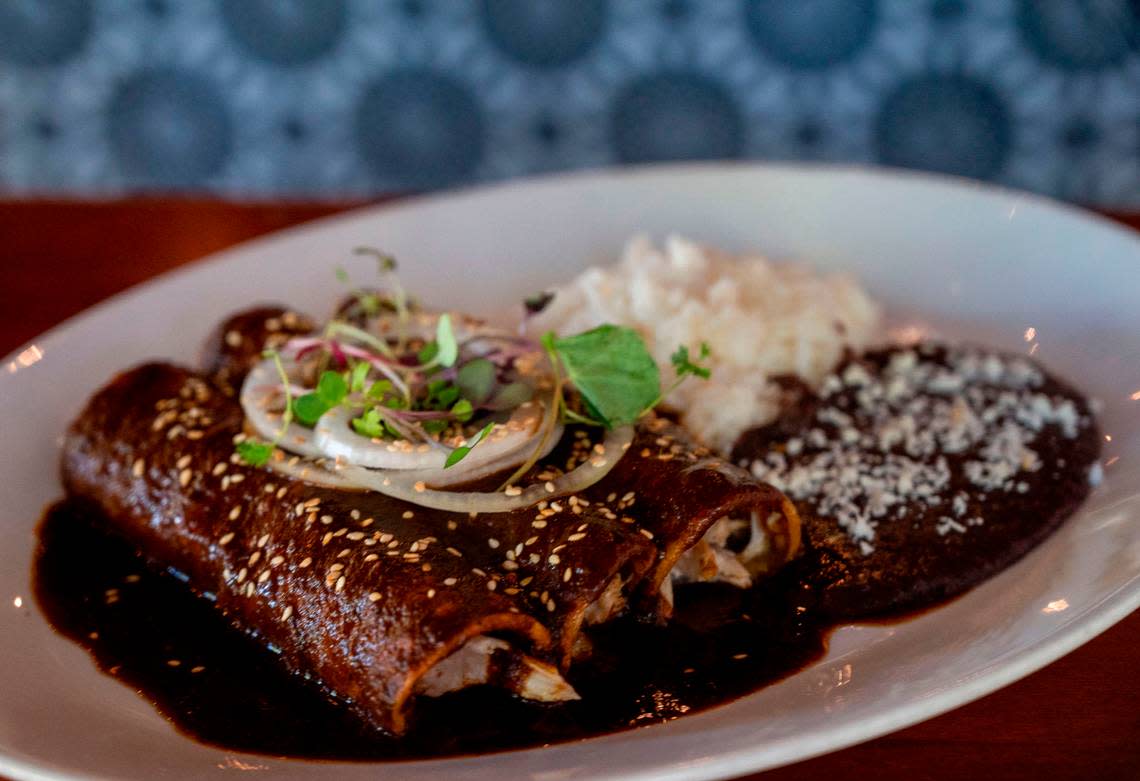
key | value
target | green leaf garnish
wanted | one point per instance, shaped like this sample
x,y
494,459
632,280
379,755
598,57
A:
x,y
612,370
331,390
255,453
684,366
459,453
445,341
369,424
476,379
462,411
512,395
380,389
359,376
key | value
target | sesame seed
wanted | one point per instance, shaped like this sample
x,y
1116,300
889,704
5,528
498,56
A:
x,y
327,538
354,536
173,663
739,656
226,538
336,567
197,669
553,558
408,514
420,486
549,486
305,562
262,540
492,585
455,552
645,533
276,561
576,536
234,513
450,581
512,490
264,576
340,584
493,543
479,572
510,565
538,524
316,500
370,557
344,552
254,558
326,519
374,597
567,575
288,611
184,477
550,606
138,468
430,593
452,525
241,574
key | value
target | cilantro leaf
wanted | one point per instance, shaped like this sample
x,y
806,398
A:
x,y
685,366
612,369
448,348
459,453
332,388
255,453
369,424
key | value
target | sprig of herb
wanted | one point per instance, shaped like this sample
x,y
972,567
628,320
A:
x,y
685,367
331,391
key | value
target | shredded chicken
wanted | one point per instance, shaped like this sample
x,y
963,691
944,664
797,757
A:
x,y
473,664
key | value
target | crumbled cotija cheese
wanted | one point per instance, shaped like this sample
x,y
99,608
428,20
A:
x,y
761,319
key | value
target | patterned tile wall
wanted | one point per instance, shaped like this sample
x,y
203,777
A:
x,y
332,98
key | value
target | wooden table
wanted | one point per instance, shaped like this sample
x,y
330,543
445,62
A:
x,y
1079,718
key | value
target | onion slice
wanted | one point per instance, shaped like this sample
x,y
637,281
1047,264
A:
x,y
259,386
311,471
335,438
396,484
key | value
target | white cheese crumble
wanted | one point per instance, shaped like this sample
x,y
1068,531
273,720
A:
x,y
889,445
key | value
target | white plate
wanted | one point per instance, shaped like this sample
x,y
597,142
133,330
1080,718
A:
x,y
976,262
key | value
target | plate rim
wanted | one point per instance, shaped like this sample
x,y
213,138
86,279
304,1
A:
x,y
1096,619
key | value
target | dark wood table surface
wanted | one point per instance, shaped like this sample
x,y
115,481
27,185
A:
x,y
1079,718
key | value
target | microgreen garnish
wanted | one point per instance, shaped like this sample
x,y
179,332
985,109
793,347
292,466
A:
x,y
459,453
684,366
612,370
447,349
331,390
435,388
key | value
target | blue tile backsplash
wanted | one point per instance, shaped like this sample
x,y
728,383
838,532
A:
x,y
335,98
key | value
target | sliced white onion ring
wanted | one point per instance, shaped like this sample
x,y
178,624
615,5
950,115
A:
x,y
465,472
260,385
334,437
311,471
396,484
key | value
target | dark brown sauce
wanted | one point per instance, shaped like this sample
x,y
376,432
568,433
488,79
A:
x,y
722,644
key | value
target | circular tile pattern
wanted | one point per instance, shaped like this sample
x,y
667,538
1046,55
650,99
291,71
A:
x,y
286,32
169,128
676,116
810,34
44,32
951,124
1080,34
544,33
419,129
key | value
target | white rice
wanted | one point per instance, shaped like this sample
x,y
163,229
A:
x,y
761,319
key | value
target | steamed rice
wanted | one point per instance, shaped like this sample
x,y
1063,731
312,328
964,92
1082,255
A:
x,y
761,319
